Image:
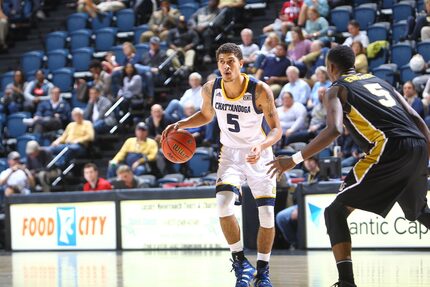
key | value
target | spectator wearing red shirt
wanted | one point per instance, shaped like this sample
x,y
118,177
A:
x,y
94,182
288,17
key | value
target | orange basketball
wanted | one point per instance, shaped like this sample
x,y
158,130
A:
x,y
179,146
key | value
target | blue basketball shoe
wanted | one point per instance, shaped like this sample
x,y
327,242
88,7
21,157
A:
x,y
262,279
244,272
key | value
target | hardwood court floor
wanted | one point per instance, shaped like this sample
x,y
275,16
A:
x,y
205,269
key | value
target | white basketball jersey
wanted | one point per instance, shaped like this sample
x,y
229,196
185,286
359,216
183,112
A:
x,y
238,118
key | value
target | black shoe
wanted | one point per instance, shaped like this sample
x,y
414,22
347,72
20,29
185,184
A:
x,y
343,284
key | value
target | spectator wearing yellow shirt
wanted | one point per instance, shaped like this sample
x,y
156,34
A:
x,y
138,152
77,137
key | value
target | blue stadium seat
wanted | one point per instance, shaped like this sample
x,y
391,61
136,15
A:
x,y
340,17
365,15
182,2
385,73
21,143
200,163
77,21
63,78
55,40
15,126
398,30
378,31
31,61
138,32
401,11
79,39
119,55
3,165
380,59
204,3
105,39
6,79
359,2
406,74
141,49
125,19
401,53
81,59
423,48
57,59
188,9
101,22
76,103
420,5
387,4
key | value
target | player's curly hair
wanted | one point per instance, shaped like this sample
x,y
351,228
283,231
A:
x,y
228,48
342,56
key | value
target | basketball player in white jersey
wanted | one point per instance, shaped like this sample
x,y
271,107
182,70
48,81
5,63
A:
x,y
240,103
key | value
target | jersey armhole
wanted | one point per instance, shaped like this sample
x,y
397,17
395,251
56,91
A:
x,y
252,88
214,87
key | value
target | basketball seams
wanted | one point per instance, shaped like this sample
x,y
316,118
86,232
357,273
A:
x,y
179,138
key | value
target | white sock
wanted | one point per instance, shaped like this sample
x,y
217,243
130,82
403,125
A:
x,y
263,257
236,247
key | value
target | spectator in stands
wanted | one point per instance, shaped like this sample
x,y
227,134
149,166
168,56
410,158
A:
x,y
299,46
94,182
316,26
17,179
183,40
157,122
77,137
126,180
286,220
267,49
36,91
101,79
356,34
198,133
361,65
51,115
315,58
248,48
96,109
317,123
320,5
292,116
129,52
175,109
350,152
419,25
160,22
102,6
131,83
299,88
412,98
272,70
139,153
206,23
287,18
38,159
109,63
13,99
322,80
4,28
231,10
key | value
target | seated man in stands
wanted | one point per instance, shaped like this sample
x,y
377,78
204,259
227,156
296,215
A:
x,y
157,122
17,179
248,48
286,220
272,70
102,6
183,40
96,110
299,88
101,80
356,34
139,153
94,182
206,23
13,98
126,179
37,91
175,109
51,115
77,137
160,22
38,159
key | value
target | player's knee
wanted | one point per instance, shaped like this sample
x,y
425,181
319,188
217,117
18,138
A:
x,y
266,214
225,203
335,219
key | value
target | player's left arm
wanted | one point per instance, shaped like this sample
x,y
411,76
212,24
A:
x,y
265,102
323,139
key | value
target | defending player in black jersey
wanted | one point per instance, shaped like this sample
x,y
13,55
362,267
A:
x,y
397,145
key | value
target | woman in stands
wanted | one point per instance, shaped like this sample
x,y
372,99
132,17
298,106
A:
x,y
13,99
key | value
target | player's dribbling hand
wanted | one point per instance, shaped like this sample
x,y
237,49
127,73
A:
x,y
254,154
280,165
168,129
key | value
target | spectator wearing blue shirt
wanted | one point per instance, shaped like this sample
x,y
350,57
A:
x,y
320,5
296,86
272,70
322,80
410,94
316,26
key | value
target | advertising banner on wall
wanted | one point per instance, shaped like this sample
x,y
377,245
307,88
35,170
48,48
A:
x,y
368,230
171,224
81,225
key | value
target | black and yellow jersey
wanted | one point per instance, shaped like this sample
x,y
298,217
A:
x,y
373,113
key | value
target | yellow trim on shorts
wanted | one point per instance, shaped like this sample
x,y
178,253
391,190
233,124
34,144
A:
x,y
372,135
241,93
264,196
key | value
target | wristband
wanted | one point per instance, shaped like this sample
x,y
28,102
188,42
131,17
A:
x,y
297,157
